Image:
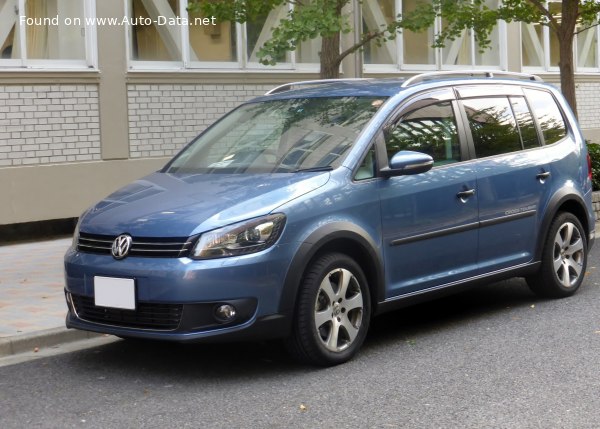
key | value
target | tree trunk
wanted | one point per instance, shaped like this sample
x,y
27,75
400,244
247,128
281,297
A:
x,y
330,47
567,73
330,57
566,35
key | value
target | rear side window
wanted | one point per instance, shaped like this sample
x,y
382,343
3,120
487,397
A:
x,y
529,135
493,126
548,115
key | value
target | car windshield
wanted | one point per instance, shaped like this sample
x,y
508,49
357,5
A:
x,y
279,136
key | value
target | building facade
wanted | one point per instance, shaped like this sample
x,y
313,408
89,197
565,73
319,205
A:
x,y
96,93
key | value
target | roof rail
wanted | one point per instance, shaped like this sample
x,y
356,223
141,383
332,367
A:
x,y
293,85
473,73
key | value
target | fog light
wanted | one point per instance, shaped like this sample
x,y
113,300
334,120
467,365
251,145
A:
x,y
225,313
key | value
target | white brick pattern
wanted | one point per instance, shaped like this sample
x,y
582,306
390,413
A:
x,y
44,124
588,104
163,118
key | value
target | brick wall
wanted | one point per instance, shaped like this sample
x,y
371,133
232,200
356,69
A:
x,y
42,124
588,102
596,204
163,118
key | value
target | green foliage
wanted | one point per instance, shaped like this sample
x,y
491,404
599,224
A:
x,y
594,151
324,18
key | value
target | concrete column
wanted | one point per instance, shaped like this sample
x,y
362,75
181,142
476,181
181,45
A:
x,y
112,62
513,47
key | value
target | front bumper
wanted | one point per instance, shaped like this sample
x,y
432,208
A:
x,y
176,299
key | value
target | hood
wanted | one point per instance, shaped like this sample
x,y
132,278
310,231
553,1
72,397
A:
x,y
168,205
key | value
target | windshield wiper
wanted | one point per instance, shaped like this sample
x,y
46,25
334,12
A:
x,y
311,169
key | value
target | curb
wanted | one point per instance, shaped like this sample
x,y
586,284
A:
x,y
47,338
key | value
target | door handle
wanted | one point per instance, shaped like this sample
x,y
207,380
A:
x,y
543,176
465,195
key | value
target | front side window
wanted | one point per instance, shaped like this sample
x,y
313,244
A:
x,y
547,114
46,33
279,136
493,126
430,129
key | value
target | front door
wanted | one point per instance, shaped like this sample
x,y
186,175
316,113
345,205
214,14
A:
x,y
429,220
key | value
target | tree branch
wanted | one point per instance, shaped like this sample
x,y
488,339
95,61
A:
x,y
363,42
546,12
587,28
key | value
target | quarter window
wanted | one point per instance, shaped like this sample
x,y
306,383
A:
x,y
547,114
430,129
493,126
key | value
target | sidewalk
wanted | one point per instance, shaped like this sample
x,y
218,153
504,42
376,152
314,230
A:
x,y
32,301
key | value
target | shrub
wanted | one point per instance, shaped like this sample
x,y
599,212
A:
x,y
594,151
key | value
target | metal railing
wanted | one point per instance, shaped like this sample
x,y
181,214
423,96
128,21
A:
x,y
466,73
422,77
294,85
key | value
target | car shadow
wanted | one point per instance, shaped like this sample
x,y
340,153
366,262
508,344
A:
x,y
222,361
462,308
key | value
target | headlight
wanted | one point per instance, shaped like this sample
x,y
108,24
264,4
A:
x,y
241,238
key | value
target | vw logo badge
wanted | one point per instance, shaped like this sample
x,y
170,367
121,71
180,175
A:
x,y
121,246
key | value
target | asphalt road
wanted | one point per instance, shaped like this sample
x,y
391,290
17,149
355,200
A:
x,y
494,357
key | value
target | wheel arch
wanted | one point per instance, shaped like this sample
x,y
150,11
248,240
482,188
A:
x,y
340,237
562,201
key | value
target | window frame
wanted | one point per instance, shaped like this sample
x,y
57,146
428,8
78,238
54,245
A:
x,y
438,52
186,64
90,62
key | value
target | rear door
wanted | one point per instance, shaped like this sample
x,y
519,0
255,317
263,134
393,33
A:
x,y
512,175
429,220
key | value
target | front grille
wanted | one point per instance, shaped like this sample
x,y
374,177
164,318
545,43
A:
x,y
163,317
160,247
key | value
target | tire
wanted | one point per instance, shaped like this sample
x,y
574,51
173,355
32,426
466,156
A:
x,y
333,311
564,259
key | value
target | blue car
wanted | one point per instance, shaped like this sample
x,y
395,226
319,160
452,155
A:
x,y
304,213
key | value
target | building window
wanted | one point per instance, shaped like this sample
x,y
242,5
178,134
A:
x,y
185,40
47,33
539,44
540,49
413,50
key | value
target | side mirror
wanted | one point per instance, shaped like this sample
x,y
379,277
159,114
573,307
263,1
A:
x,y
407,162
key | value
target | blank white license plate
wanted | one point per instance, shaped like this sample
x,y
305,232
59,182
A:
x,y
114,292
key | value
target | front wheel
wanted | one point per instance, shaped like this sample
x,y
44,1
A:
x,y
332,313
564,259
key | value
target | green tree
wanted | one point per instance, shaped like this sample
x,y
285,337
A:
x,y
574,16
311,19
308,20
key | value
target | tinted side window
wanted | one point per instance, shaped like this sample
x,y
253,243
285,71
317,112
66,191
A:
x,y
493,126
529,135
547,114
430,129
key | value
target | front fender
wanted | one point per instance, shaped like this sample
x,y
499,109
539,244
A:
x,y
339,237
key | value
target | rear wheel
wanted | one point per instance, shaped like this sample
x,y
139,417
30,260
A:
x,y
564,259
332,312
